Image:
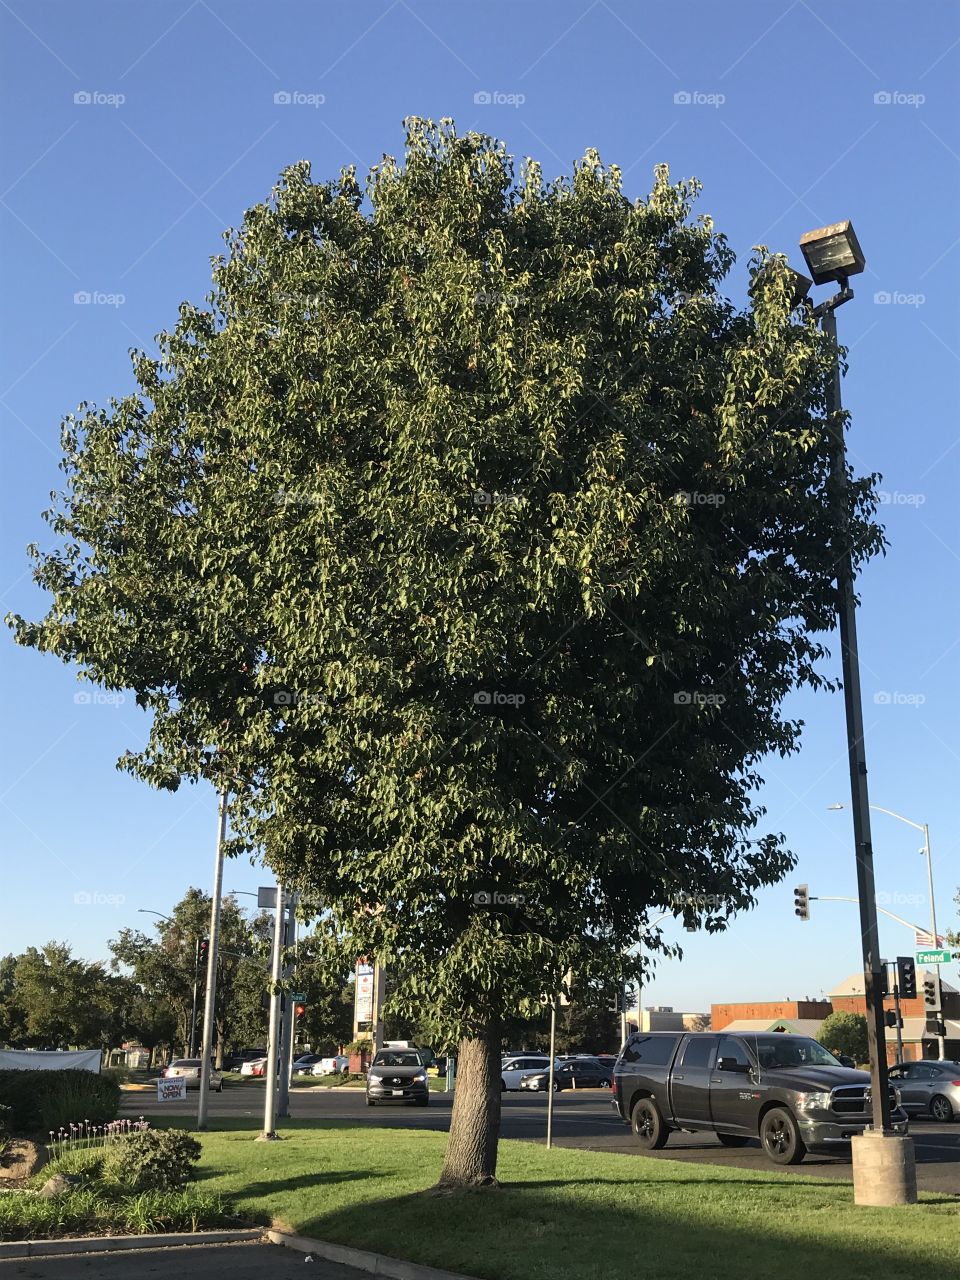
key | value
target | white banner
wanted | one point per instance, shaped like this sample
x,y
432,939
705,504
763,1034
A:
x,y
40,1060
174,1090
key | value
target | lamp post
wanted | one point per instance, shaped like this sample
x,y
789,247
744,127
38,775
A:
x,y
934,938
210,994
883,1167
192,1038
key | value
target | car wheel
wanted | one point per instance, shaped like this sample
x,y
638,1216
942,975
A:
x,y
941,1109
423,1102
733,1139
649,1126
556,1086
371,1102
503,1085
220,1087
780,1137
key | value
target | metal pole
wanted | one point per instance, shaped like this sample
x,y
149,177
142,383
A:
x,y
286,1024
896,1009
859,795
210,995
273,1036
553,1052
193,1011
934,941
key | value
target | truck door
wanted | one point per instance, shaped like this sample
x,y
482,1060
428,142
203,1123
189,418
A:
x,y
734,1092
690,1082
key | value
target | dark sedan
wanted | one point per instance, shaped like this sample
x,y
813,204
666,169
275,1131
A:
x,y
578,1073
397,1075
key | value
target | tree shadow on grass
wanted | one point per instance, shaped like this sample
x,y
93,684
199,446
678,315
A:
x,y
533,1231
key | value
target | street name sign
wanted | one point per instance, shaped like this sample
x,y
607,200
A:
x,y
940,956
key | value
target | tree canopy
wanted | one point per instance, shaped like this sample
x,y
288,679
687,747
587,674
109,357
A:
x,y
472,539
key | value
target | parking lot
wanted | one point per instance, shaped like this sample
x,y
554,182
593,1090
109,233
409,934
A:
x,y
581,1119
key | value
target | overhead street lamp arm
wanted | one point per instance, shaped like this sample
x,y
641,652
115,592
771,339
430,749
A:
x,y
918,928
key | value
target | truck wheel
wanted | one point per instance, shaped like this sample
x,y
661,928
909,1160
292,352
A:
x,y
733,1139
780,1137
648,1125
941,1109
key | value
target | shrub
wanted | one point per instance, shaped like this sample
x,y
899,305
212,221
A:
x,y
6,1126
43,1100
154,1160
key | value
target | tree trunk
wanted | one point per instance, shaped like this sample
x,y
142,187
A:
x,y
471,1156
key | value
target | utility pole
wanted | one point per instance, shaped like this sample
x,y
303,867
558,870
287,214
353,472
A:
x,y
553,1056
896,1009
269,1133
210,995
193,1011
287,1021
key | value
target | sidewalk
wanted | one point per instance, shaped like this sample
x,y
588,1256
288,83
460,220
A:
x,y
197,1262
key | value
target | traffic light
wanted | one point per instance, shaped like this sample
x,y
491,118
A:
x,y
801,901
300,1010
906,977
890,1018
930,997
203,951
884,979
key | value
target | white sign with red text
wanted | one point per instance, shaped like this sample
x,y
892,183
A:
x,y
174,1090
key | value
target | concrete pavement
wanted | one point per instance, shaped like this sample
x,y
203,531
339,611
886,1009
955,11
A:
x,y
196,1262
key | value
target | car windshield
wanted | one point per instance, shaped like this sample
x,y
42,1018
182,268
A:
x,y
396,1060
785,1051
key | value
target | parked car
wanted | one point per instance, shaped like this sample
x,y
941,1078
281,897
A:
x,y
397,1075
574,1073
303,1066
786,1090
254,1067
327,1066
513,1069
930,1087
189,1069
235,1061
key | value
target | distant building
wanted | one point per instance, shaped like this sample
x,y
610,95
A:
x,y
801,1017
917,1041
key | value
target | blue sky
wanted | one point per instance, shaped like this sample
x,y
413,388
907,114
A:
x,y
792,114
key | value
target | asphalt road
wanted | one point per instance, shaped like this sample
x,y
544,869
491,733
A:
x,y
196,1262
581,1120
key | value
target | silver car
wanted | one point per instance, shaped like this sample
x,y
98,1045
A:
x,y
930,1087
189,1069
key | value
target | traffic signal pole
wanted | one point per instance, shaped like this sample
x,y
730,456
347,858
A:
x,y
210,995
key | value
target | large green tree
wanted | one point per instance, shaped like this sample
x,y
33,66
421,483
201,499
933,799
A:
x,y
472,539
62,1001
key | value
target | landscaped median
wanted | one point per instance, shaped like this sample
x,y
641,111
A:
x,y
572,1215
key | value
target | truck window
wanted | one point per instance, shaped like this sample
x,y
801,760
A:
x,y
698,1051
652,1051
735,1049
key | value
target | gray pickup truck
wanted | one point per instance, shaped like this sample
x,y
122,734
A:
x,y
786,1090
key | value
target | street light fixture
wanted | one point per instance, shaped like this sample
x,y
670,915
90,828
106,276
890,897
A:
x,y
883,1164
925,851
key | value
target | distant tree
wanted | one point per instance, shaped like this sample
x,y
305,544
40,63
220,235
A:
x,y
65,1002
11,1014
701,1022
846,1033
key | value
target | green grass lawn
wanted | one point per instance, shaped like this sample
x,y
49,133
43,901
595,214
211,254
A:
x,y
573,1215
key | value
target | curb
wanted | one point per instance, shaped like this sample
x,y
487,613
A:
x,y
377,1264
117,1244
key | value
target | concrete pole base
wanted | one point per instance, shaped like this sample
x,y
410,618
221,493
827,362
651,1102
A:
x,y
883,1169
267,1137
